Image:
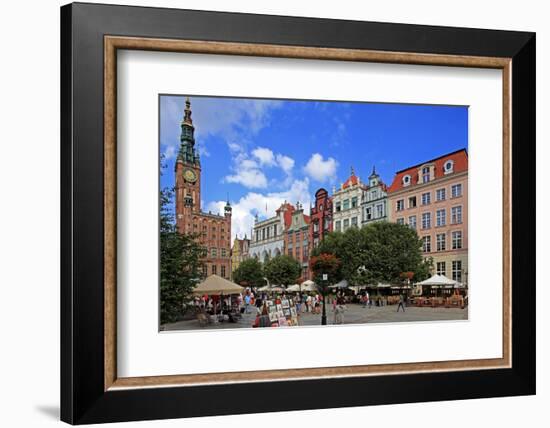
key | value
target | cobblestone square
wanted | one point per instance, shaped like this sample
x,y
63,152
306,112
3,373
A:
x,y
354,314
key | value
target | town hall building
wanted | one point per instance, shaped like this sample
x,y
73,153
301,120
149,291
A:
x,y
213,231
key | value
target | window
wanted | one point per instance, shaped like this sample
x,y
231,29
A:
x,y
426,244
456,215
274,230
354,221
368,213
263,234
354,202
400,205
338,207
267,233
379,210
373,195
338,226
440,217
412,202
412,222
406,180
440,242
316,226
224,252
425,174
457,270
440,194
457,240
257,235
448,167
426,220
456,190
426,198
345,205
346,223
401,220
213,252
214,270
320,207
441,268
290,251
222,268
305,252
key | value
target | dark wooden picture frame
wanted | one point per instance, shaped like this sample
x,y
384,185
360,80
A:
x,y
90,36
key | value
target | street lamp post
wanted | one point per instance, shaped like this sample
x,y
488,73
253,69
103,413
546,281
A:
x,y
324,288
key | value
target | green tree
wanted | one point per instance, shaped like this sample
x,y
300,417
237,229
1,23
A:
x,y
351,248
378,252
325,263
282,270
249,274
180,263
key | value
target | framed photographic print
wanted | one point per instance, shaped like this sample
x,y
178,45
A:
x,y
222,172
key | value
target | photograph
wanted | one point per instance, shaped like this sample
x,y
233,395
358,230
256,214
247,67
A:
x,y
346,212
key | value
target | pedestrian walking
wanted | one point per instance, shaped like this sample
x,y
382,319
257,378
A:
x,y
247,303
401,303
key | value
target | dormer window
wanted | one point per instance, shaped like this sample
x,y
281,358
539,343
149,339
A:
x,y
425,174
448,167
406,180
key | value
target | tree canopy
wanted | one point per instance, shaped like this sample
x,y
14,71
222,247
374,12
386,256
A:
x,y
282,270
180,263
249,273
378,252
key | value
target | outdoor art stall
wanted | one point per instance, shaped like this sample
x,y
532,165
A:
x,y
220,300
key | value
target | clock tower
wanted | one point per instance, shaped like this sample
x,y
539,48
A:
x,y
188,175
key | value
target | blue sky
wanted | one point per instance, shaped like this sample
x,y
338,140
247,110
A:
x,y
262,152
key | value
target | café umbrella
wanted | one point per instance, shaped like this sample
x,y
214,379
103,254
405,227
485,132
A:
x,y
215,284
439,281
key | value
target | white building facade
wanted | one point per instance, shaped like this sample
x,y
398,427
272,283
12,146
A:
x,y
268,236
375,201
346,204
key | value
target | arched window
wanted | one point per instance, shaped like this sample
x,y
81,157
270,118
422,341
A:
x,y
406,180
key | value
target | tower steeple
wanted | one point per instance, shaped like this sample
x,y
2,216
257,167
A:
x,y
187,152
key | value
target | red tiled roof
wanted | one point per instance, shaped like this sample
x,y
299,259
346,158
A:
x,y
459,158
351,181
288,213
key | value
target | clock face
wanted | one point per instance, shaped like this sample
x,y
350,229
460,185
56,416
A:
x,y
190,175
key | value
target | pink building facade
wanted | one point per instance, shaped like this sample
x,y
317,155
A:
x,y
432,198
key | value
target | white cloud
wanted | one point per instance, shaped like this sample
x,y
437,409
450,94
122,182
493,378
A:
x,y
321,170
169,153
247,168
265,205
235,121
265,156
251,178
286,163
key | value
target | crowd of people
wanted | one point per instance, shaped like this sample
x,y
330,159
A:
x,y
253,303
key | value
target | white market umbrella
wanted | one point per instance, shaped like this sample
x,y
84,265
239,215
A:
x,y
293,288
341,284
439,281
215,285
308,285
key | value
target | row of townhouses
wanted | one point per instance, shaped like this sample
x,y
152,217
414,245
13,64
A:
x,y
431,198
